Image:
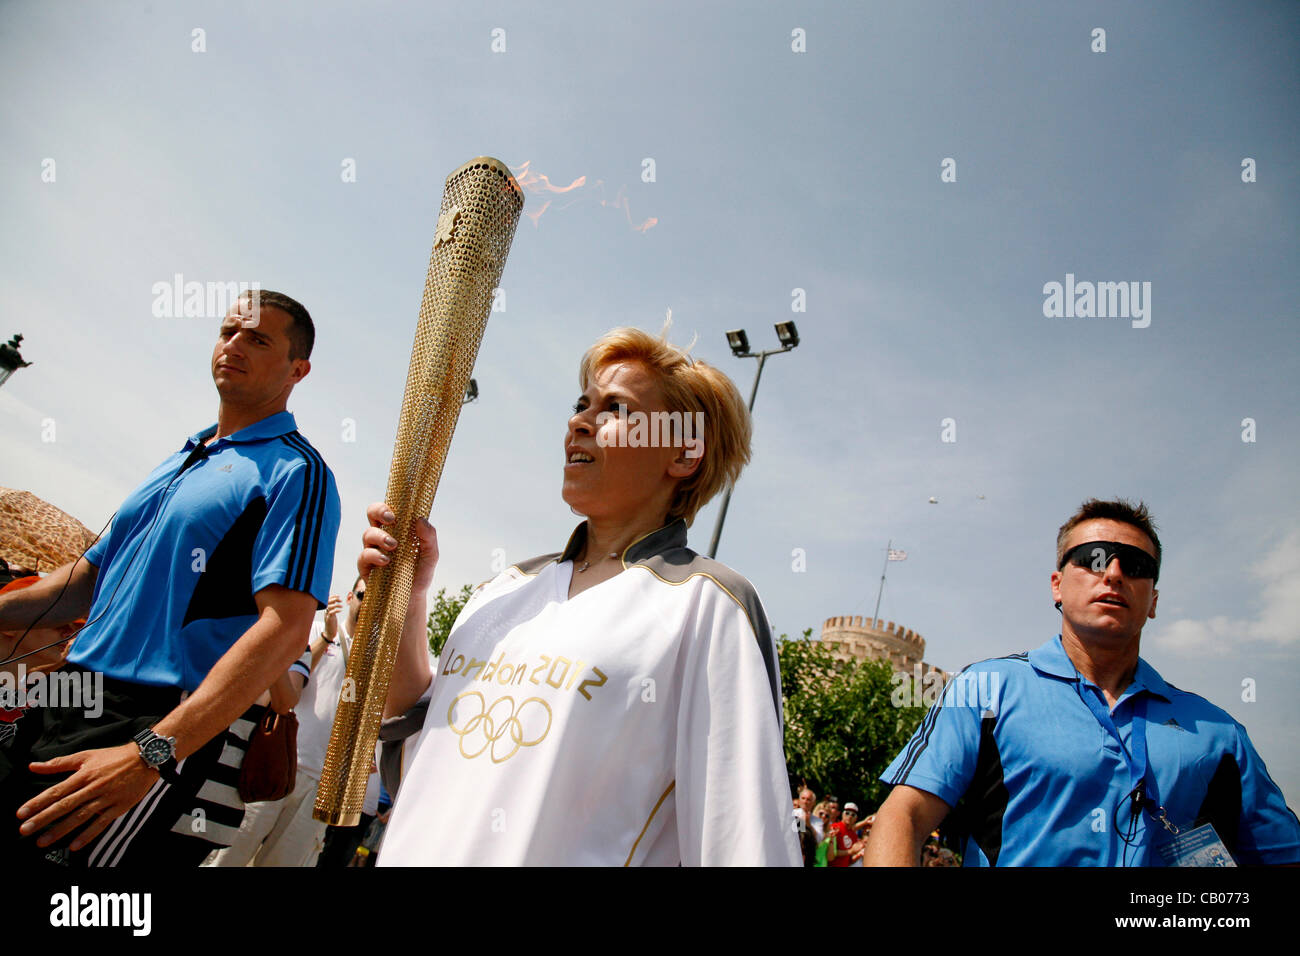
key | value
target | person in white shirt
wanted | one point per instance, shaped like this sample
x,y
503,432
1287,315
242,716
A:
x,y
616,703
806,802
284,832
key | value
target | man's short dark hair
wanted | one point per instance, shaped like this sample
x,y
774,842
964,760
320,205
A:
x,y
302,332
1117,510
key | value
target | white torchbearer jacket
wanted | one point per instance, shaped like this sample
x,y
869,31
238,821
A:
x,y
638,723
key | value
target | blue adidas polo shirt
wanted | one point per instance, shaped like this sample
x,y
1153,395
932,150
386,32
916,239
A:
x,y
191,546
1036,780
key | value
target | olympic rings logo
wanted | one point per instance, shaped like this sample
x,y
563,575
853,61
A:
x,y
499,726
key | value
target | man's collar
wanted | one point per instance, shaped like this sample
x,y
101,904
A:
x,y
671,535
273,426
1146,678
1052,659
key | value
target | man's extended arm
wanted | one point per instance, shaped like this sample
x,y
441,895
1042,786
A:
x,y
262,654
902,825
109,781
20,609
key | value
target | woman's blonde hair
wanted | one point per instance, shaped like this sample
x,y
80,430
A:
x,y
689,386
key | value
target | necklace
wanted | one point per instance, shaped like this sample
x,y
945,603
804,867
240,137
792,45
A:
x,y
587,564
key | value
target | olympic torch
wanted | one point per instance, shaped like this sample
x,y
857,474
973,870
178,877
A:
x,y
481,203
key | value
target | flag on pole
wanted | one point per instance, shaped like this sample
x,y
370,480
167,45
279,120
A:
x,y
896,555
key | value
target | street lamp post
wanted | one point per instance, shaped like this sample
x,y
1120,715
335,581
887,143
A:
x,y
788,335
10,360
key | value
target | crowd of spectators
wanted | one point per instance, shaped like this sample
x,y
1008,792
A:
x,y
831,835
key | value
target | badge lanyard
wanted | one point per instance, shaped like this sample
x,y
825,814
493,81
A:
x,y
1142,790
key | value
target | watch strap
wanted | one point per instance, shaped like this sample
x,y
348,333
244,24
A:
x,y
167,768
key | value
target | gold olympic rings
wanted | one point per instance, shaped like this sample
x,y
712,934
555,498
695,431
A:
x,y
497,722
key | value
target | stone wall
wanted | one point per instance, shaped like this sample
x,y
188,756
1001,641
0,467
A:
x,y
865,638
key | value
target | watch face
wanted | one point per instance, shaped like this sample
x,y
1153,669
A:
x,y
157,751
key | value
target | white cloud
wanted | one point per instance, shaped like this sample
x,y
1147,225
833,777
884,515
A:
x,y
1277,623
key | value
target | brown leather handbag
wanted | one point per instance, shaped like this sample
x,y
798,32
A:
x,y
270,764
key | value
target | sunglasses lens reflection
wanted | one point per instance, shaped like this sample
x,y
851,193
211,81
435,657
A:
x,y
1097,556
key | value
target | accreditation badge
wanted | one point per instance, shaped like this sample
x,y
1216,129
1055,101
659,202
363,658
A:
x,y
1198,847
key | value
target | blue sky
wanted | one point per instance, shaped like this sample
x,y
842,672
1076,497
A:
x,y
774,170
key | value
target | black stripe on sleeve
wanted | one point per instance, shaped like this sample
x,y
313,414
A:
x,y
322,491
309,568
921,739
316,511
916,746
302,556
298,521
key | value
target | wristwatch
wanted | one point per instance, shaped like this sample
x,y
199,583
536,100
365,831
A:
x,y
159,753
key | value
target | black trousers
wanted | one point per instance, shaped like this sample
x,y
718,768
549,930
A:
x,y
341,843
141,836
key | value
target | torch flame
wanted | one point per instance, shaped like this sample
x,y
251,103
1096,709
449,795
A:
x,y
620,202
540,183
534,216
530,180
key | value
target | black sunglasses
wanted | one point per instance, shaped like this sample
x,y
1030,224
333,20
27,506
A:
x,y
359,595
1097,556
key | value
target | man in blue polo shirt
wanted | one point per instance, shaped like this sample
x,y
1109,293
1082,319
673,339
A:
x,y
197,600
1078,753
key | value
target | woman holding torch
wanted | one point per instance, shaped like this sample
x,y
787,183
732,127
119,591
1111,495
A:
x,y
617,703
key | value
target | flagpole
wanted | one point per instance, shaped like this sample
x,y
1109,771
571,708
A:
x,y
876,616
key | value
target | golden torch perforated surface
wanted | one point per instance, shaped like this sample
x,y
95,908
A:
x,y
476,223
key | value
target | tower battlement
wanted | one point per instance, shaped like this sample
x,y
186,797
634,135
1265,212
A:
x,y
865,638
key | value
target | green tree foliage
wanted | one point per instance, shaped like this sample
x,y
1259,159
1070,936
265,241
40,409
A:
x,y
841,729
443,615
